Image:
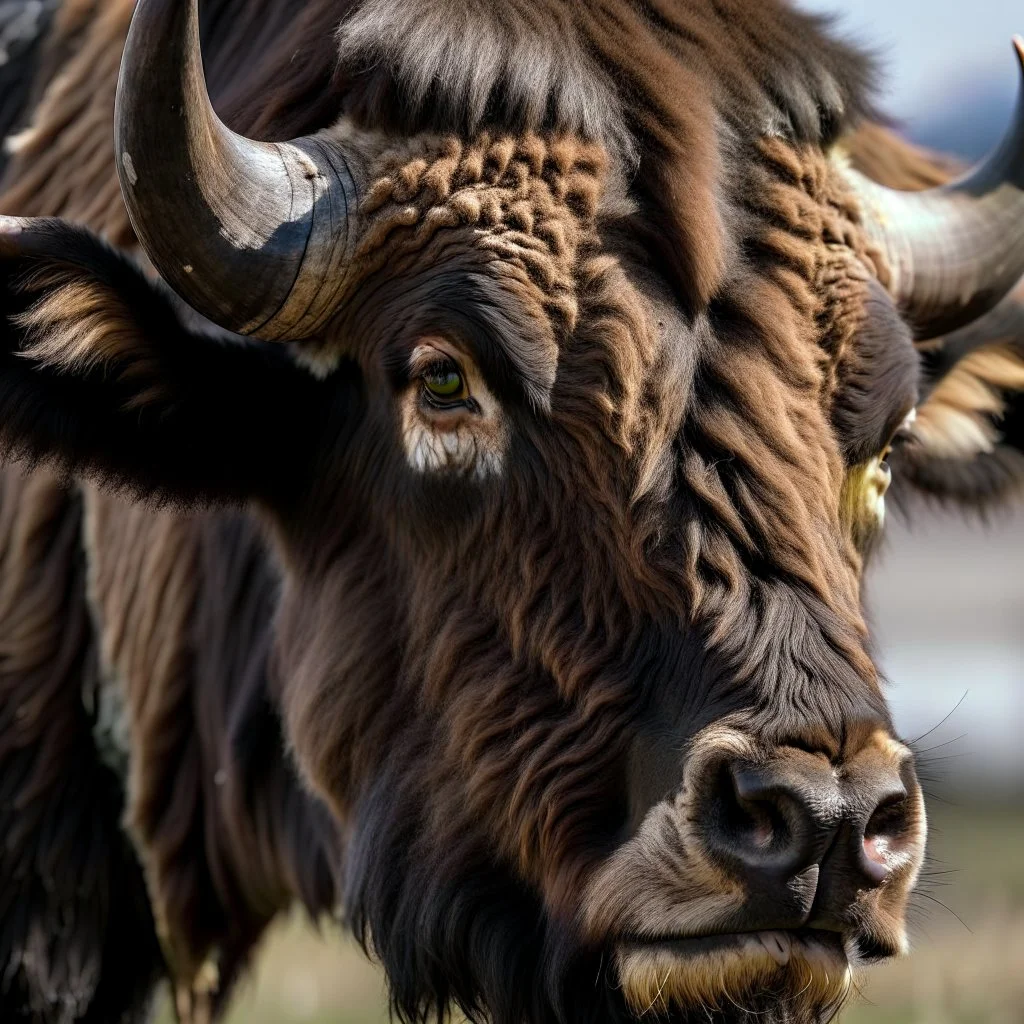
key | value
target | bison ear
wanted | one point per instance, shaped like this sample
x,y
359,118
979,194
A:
x,y
100,376
967,443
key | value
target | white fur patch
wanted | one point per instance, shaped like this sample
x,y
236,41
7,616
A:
x,y
459,450
105,696
876,483
472,51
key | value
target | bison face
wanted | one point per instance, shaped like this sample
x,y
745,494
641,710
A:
x,y
571,636
571,486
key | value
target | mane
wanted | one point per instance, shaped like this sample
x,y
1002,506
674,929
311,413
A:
x,y
679,94
599,69
72,886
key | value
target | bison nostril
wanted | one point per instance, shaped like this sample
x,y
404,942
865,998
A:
x,y
761,807
757,821
874,862
885,832
890,817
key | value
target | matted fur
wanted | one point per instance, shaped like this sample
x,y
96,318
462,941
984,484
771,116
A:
x,y
443,705
217,869
75,926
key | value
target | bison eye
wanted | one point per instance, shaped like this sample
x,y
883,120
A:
x,y
443,384
901,436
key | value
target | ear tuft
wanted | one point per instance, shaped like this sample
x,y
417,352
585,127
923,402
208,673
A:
x,y
100,376
967,444
79,324
961,417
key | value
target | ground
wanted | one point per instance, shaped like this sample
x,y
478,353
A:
x,y
967,966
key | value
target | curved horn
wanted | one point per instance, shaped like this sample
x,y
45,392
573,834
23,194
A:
x,y
252,234
954,251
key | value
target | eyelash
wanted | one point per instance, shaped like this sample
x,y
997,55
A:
x,y
439,365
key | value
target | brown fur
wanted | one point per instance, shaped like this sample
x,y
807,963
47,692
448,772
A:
x,y
72,124
425,697
216,873
77,327
74,919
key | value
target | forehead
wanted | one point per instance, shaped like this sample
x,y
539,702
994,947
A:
x,y
712,427
507,228
480,238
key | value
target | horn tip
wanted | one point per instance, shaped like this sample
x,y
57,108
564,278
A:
x,y
1018,45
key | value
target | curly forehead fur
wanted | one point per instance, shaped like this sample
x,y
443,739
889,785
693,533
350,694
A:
x,y
519,206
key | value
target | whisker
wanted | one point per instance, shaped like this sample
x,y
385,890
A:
x,y
744,1009
932,795
841,1000
939,746
810,982
920,892
935,728
950,757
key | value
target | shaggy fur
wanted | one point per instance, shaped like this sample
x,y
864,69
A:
x,y
76,930
459,707
90,322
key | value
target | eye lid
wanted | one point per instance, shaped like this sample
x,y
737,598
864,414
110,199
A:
x,y
499,369
434,350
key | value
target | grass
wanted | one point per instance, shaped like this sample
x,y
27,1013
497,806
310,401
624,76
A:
x,y
967,966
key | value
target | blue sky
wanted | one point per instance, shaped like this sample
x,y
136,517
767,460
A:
x,y
930,46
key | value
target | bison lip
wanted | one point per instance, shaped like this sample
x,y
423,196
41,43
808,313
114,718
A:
x,y
780,944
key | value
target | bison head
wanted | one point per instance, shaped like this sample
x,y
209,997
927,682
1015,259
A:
x,y
571,483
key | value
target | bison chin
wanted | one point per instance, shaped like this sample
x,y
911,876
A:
x,y
771,977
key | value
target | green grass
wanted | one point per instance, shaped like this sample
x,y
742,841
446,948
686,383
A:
x,y
967,966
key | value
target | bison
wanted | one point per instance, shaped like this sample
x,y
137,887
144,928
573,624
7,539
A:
x,y
444,443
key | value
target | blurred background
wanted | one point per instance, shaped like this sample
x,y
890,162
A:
x,y
947,603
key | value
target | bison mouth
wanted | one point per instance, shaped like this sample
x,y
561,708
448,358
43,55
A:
x,y
792,975
781,945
